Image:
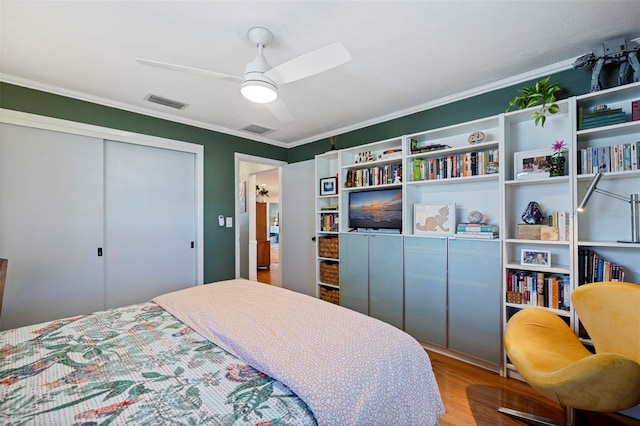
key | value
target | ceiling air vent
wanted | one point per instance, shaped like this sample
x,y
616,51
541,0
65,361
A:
x,y
258,130
164,101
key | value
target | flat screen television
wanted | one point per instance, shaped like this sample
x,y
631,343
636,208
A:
x,y
376,209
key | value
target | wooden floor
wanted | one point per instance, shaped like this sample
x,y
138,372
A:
x,y
271,275
472,396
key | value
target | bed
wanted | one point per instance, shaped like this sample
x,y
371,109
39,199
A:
x,y
231,353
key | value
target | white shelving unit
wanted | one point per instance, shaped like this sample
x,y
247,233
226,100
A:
x,y
605,220
553,194
327,211
454,288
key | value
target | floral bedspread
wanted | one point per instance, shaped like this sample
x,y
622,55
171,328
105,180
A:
x,y
133,365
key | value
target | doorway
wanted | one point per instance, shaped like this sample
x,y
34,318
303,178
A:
x,y
263,173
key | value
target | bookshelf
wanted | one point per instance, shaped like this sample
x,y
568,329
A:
x,y
327,212
524,141
453,292
606,221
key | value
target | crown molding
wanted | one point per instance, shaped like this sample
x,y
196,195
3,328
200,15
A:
x,y
500,84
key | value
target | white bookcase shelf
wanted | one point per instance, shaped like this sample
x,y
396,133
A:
x,y
501,198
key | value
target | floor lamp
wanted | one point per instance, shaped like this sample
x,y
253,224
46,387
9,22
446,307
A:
x,y
632,200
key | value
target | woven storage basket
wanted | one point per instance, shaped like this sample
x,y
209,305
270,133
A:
x,y
514,297
329,247
330,273
331,295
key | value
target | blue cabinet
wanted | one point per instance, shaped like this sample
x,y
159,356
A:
x,y
354,272
474,299
371,279
425,289
452,295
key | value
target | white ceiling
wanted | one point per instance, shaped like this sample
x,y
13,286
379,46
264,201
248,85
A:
x,y
407,55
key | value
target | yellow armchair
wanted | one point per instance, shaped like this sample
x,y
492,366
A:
x,y
549,356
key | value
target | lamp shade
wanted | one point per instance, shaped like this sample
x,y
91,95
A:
x,y
259,91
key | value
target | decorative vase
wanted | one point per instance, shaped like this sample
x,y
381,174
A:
x,y
556,166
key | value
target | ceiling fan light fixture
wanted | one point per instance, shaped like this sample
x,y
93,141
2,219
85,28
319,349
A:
x,y
258,91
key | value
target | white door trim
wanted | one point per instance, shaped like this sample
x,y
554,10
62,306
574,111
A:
x,y
55,124
250,201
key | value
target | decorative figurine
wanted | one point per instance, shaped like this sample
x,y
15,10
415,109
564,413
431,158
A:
x,y
615,51
533,214
476,137
475,216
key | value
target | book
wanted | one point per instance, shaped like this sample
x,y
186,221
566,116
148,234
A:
x,y
635,110
602,121
480,235
634,155
602,113
626,157
477,227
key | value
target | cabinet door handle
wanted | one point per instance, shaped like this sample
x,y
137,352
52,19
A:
x,y
313,238
99,251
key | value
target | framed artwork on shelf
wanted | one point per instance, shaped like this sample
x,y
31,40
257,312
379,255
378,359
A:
x,y
436,219
329,186
535,257
532,164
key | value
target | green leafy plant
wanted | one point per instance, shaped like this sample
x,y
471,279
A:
x,y
262,191
543,93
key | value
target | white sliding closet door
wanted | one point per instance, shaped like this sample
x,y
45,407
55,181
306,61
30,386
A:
x,y
50,224
150,222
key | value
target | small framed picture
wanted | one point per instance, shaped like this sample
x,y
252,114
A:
x,y
438,219
532,164
535,257
329,186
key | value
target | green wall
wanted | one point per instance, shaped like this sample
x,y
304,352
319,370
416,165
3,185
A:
x,y
219,188
573,82
219,193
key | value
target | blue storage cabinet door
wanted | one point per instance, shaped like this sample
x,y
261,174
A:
x,y
425,289
474,298
385,279
354,272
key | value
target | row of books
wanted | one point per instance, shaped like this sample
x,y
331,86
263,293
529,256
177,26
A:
x,y
601,118
612,158
594,268
329,222
541,289
562,222
373,176
477,230
456,165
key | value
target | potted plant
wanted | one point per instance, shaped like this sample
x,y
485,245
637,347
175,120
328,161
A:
x,y
262,192
557,159
543,93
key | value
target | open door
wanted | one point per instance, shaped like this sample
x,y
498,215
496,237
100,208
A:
x,y
297,227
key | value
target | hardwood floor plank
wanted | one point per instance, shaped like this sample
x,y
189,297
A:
x,y
472,396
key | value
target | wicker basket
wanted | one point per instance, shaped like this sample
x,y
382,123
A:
x,y
329,247
331,295
330,273
514,297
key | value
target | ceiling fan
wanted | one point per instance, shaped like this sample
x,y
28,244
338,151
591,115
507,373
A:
x,y
260,81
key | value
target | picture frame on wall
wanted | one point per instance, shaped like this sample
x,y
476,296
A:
x,y
329,186
534,164
242,196
541,258
434,219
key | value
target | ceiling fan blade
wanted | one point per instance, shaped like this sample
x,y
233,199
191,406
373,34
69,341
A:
x,y
191,70
280,110
311,63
